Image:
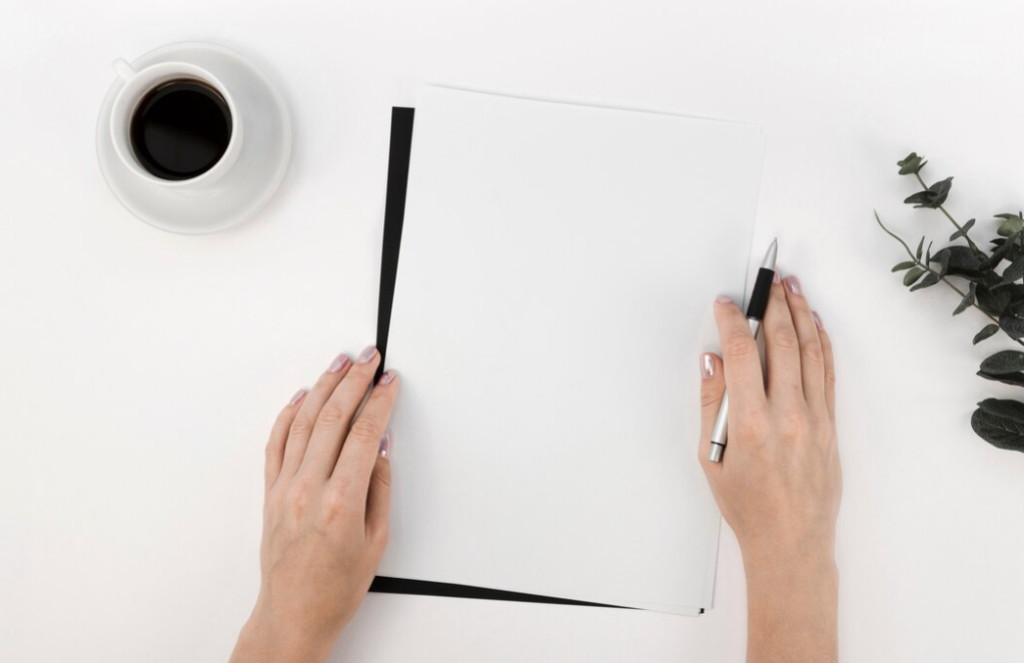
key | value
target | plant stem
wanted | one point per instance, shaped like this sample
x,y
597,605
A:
x,y
929,270
942,209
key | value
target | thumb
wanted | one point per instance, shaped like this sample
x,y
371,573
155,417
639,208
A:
x,y
712,389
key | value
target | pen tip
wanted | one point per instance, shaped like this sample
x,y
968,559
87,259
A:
x,y
770,256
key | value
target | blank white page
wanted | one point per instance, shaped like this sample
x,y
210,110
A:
x,y
556,275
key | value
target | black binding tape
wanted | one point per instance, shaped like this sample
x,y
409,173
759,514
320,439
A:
x,y
394,218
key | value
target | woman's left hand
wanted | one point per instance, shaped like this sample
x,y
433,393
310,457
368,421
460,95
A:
x,y
325,516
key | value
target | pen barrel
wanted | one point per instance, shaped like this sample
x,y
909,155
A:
x,y
720,430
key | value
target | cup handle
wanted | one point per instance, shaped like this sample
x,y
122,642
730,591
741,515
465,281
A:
x,y
123,69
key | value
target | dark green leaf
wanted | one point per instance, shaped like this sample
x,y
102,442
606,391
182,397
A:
x,y
928,253
920,249
1015,271
961,259
999,423
933,196
1011,225
913,275
1001,250
929,280
963,230
1012,410
911,165
993,302
1015,379
906,264
1013,326
967,301
1007,361
986,332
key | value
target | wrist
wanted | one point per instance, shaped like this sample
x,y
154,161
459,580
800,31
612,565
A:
x,y
774,560
267,637
792,603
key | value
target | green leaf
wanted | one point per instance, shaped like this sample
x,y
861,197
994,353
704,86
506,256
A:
x,y
1000,423
1011,225
911,165
906,264
967,301
928,281
993,302
963,230
1007,361
1012,410
1002,248
986,332
1015,379
1015,271
913,275
920,249
960,259
933,196
1013,326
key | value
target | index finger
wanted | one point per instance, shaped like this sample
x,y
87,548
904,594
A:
x,y
743,377
359,453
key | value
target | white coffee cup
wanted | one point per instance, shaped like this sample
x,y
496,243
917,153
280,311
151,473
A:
x,y
137,84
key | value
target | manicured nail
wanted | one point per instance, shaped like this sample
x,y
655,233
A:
x,y
387,377
299,395
340,363
707,366
367,355
776,278
793,283
722,299
817,320
385,445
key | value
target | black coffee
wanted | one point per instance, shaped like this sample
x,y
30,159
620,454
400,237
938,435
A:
x,y
180,129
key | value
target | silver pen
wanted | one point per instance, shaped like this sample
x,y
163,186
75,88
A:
x,y
755,313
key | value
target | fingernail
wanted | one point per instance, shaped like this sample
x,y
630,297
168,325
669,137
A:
x,y
776,278
817,320
793,283
340,362
707,366
385,445
299,395
722,299
367,355
387,377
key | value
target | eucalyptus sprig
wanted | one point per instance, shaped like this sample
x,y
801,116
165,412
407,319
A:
x,y
999,295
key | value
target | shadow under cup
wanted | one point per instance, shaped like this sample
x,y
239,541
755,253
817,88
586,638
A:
x,y
180,129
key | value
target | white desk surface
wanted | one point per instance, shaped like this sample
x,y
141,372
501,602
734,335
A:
x,y
141,370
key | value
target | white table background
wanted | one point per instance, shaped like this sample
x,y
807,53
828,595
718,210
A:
x,y
141,370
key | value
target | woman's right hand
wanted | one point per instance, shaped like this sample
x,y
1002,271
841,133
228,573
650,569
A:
x,y
779,483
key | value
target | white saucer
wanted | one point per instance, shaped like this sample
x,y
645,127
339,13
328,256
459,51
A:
x,y
244,189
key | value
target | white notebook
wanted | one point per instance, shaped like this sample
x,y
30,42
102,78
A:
x,y
555,280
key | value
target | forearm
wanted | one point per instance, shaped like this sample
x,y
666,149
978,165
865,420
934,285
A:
x,y
793,604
